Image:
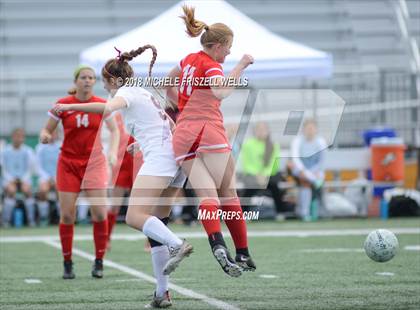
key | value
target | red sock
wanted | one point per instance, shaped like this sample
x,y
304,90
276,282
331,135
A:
x,y
208,208
66,232
100,237
237,227
112,218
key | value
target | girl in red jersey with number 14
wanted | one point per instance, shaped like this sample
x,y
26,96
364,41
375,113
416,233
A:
x,y
82,166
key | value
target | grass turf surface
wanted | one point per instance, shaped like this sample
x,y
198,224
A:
x,y
303,280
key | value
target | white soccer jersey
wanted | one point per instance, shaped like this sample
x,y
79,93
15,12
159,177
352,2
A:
x,y
146,121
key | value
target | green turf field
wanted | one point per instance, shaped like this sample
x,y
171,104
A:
x,y
292,272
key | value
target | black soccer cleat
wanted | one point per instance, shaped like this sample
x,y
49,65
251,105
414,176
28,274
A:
x,y
226,262
245,262
98,269
68,270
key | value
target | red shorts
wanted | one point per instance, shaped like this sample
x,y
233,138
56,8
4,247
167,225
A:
x,y
191,138
75,174
128,170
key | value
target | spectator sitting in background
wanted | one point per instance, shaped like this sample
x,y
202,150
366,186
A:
x,y
47,156
18,164
307,166
260,165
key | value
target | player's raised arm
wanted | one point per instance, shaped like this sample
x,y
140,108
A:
x,y
220,89
93,107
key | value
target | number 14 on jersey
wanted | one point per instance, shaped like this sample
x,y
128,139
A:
x,y
82,120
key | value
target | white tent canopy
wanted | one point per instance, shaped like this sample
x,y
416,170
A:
x,y
274,56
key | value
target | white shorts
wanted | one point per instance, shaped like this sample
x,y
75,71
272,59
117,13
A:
x,y
163,164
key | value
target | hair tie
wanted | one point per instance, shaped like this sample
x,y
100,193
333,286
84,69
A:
x,y
119,52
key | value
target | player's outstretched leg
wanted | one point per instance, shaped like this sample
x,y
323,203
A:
x,y
238,231
160,256
224,174
205,188
178,249
144,194
218,246
176,255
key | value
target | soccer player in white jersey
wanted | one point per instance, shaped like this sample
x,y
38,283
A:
x,y
159,175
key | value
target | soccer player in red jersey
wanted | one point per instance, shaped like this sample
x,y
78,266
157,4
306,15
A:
x,y
82,166
200,142
123,173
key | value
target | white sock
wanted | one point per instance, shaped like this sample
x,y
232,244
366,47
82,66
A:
x,y
9,204
156,230
304,201
43,209
30,210
160,256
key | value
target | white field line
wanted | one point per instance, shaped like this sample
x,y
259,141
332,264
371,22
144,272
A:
x,y
412,248
332,250
268,276
386,274
345,250
138,274
33,281
128,280
194,235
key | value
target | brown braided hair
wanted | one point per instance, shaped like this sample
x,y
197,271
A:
x,y
213,34
119,67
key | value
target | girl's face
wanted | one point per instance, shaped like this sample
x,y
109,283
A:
x,y
18,137
222,50
110,85
310,131
85,81
261,131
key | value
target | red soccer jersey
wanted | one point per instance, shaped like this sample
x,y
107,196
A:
x,y
195,98
81,129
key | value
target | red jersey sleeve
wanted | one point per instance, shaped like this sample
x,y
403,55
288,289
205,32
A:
x,y
57,116
213,70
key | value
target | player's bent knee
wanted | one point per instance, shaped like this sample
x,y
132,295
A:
x,y
26,189
99,217
67,219
42,195
10,192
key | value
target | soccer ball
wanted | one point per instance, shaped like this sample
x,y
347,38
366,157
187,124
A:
x,y
381,245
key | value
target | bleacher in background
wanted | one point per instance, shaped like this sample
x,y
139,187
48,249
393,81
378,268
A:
x,y
41,41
